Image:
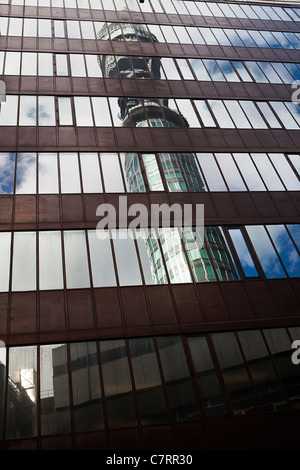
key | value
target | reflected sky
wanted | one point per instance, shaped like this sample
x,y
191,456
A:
x,y
26,173
286,249
7,169
265,251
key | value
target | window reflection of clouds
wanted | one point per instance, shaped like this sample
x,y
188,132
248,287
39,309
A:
x,y
26,173
7,173
265,252
243,253
286,249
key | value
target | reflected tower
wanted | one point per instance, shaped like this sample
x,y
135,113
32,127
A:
x,y
155,112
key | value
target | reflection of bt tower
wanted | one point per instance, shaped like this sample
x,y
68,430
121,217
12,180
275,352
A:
x,y
137,112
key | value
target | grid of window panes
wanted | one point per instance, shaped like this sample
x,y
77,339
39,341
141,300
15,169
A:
x,y
100,111
79,29
72,259
119,383
46,64
131,172
177,7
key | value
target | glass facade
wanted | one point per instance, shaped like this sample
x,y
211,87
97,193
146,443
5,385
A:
x,y
134,335
105,384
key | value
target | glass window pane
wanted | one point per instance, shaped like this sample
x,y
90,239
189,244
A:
x,y
172,172
256,72
27,115
206,376
221,256
12,63
221,114
24,261
286,249
169,34
54,393
208,36
282,72
132,172
249,172
246,38
29,63
243,253
26,173
90,171
199,69
237,114
93,66
239,66
77,65
204,113
285,171
280,347
295,160
87,30
112,175
69,173
22,413
73,29
103,271
186,109
176,262
177,378
45,30
48,173
50,261
117,384
59,29
184,69
267,172
126,259
191,171
61,65
269,72
46,111
151,257
262,371
9,111
214,70
45,62
65,111
150,394
83,111
233,37
101,111
269,115
170,68
195,35
200,263
7,172
15,27
230,172
284,115
211,172
86,388
77,271
235,375
182,35
152,172
265,252
253,115
294,230
228,71
5,252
